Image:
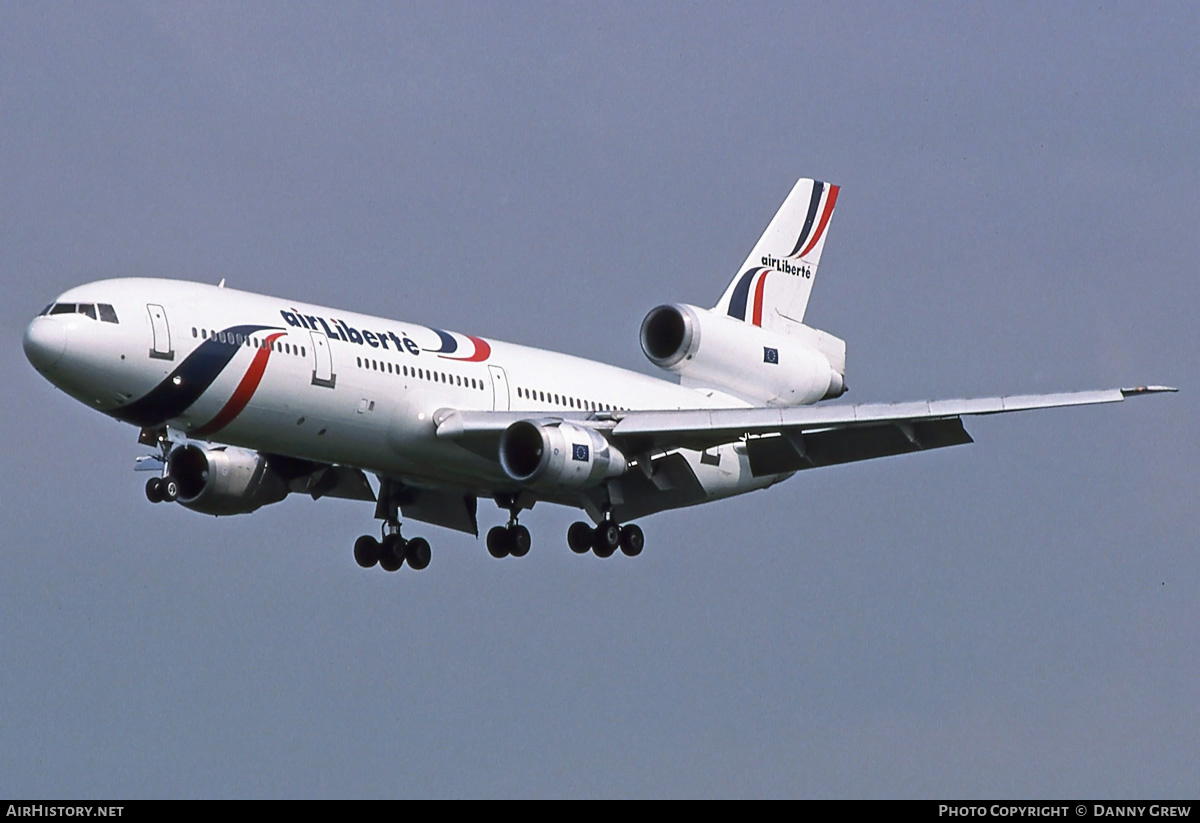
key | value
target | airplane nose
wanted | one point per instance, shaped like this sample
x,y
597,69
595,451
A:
x,y
45,341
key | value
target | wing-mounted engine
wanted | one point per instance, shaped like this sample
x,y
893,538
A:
x,y
224,480
554,454
711,350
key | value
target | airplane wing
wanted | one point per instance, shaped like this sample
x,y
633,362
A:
x,y
783,439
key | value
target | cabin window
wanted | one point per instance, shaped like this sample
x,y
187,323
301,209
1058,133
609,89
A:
x,y
63,308
107,313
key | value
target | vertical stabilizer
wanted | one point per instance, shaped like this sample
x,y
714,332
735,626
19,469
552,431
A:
x,y
772,287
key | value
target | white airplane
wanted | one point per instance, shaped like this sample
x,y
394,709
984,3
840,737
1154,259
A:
x,y
247,398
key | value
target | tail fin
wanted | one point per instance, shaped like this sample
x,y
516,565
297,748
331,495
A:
x,y
787,255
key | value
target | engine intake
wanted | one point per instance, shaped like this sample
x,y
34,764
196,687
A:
x,y
559,455
224,480
669,334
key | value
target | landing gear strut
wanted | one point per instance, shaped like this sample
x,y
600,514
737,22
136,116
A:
x,y
391,551
512,539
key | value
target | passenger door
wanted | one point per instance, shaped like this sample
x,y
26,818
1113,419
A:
x,y
160,347
322,361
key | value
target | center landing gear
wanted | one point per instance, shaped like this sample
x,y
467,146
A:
x,y
606,538
512,539
392,551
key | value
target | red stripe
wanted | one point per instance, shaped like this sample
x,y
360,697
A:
x,y
482,351
825,215
758,297
245,390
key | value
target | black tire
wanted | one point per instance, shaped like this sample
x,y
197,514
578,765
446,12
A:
x,y
389,564
606,539
395,547
418,553
154,490
519,541
366,551
579,537
497,542
632,540
168,487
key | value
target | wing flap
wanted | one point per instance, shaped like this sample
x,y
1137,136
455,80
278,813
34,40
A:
x,y
779,454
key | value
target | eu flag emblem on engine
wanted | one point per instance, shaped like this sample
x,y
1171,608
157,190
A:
x,y
770,355
579,452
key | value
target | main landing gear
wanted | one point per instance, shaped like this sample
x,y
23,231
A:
x,y
605,539
513,539
391,551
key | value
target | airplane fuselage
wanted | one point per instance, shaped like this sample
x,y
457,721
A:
x,y
292,378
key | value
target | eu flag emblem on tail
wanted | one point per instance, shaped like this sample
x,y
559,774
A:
x,y
579,452
770,355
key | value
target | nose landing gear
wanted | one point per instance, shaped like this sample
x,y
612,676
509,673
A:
x,y
162,489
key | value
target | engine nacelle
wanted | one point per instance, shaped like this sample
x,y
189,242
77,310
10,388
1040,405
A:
x,y
559,455
224,480
714,351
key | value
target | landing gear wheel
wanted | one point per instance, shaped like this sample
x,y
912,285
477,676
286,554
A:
x,y
606,538
392,552
366,551
154,490
632,540
579,537
168,487
418,553
519,541
497,542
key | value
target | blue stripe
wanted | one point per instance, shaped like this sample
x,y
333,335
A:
x,y
813,202
195,374
449,344
737,303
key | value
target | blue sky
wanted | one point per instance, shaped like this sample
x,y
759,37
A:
x,y
1018,213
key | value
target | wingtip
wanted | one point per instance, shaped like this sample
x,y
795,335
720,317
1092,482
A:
x,y
1136,390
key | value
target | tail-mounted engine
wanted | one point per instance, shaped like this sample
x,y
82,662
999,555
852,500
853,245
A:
x,y
558,455
714,351
224,480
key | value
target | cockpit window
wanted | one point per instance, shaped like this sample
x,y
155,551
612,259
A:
x,y
106,311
